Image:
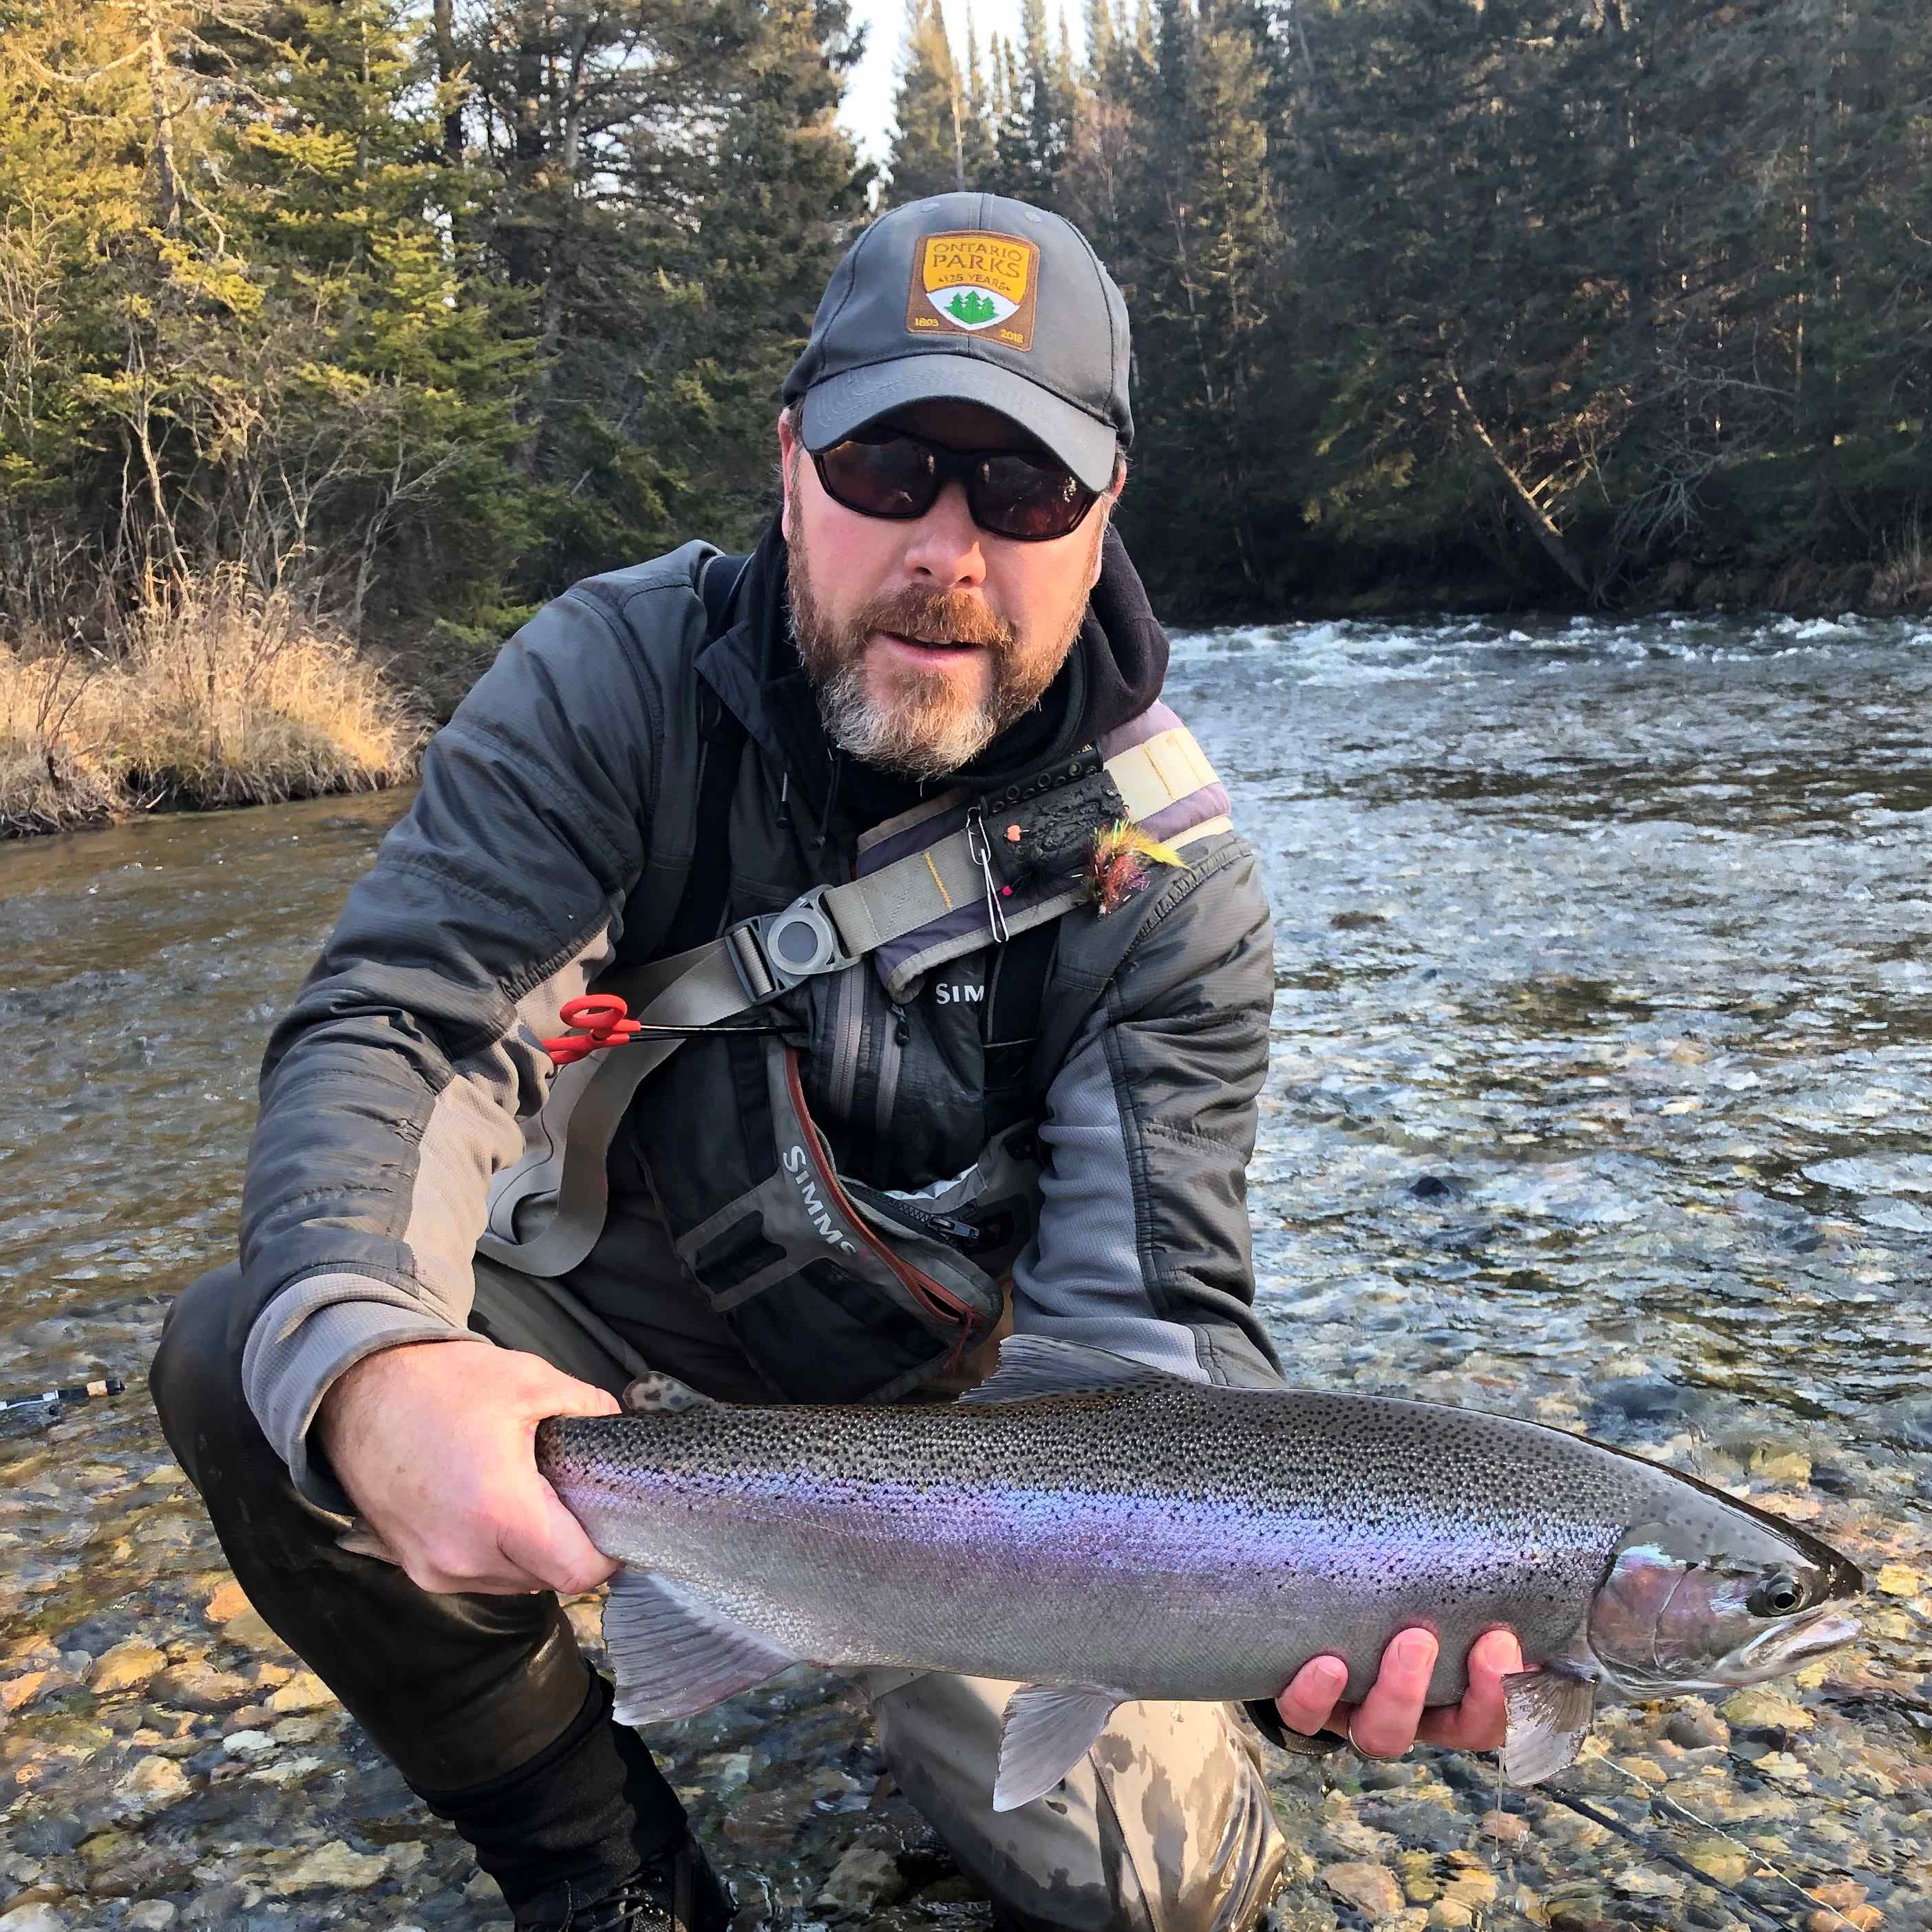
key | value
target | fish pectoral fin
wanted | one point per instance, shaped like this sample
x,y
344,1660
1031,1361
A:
x,y
1033,1365
1049,1729
1548,1713
674,1653
359,1539
654,1394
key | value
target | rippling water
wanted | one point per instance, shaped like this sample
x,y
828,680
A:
x,y
1601,1089
1603,1035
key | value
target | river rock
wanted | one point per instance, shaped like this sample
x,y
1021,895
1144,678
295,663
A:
x,y
196,1685
1472,1880
152,1915
248,1629
1761,1709
1505,1827
331,1867
153,1784
1645,1881
1697,1727
1840,1894
19,1692
104,1847
303,1691
1772,1462
126,1666
1721,1859
227,1603
35,1918
864,1880
1374,1890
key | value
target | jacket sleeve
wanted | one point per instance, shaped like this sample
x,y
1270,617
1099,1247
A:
x,y
396,1086
1143,1247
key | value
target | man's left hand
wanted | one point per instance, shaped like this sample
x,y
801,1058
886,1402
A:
x,y
1391,1717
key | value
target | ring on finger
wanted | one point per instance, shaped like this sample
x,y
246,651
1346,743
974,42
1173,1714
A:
x,y
1367,1757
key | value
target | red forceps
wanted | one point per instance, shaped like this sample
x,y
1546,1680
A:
x,y
603,1019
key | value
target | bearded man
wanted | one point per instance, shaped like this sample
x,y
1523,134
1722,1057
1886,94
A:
x,y
1035,1075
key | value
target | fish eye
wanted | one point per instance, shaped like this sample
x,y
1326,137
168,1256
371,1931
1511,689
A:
x,y
1776,1596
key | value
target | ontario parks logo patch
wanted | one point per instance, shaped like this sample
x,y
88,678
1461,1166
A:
x,y
972,282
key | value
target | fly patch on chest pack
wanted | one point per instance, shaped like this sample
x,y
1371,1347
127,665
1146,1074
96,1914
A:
x,y
1030,844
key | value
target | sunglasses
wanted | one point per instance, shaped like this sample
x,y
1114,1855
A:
x,y
899,475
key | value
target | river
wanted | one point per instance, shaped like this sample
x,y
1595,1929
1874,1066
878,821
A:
x,y
1601,1090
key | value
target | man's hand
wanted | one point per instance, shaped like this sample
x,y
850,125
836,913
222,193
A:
x,y
435,1442
1391,1718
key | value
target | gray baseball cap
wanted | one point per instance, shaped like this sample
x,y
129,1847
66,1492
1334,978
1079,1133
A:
x,y
972,298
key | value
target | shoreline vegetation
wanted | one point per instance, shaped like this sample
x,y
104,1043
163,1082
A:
x,y
212,694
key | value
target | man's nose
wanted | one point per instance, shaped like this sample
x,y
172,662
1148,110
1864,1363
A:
x,y
945,548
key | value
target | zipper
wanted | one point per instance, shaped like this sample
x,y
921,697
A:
x,y
848,1019
935,1300
891,1055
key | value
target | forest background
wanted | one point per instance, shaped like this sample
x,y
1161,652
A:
x,y
344,314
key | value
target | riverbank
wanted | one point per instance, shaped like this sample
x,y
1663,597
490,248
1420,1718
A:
x,y
213,695
1898,584
225,697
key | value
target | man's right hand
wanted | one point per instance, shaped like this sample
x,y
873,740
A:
x,y
435,1443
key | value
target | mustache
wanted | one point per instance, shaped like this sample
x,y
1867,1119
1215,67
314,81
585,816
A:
x,y
935,617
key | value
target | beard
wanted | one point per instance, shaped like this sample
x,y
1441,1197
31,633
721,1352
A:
x,y
919,723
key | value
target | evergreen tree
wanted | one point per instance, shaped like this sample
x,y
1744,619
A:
x,y
1036,129
929,155
979,119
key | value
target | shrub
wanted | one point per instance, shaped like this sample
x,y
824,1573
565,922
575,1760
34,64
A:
x,y
213,693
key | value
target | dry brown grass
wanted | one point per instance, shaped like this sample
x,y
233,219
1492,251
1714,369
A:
x,y
213,694
1904,580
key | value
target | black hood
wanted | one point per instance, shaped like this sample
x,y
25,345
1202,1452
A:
x,y
1113,673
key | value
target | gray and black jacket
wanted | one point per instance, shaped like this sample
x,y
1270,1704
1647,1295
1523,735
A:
x,y
550,847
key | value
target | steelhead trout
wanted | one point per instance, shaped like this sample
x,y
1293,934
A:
x,y
1105,1531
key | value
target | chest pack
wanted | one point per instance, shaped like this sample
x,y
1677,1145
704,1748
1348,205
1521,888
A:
x,y
839,1289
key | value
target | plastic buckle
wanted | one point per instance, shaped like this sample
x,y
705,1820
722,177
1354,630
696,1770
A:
x,y
791,946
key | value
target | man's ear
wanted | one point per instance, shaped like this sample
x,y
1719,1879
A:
x,y
787,469
1109,498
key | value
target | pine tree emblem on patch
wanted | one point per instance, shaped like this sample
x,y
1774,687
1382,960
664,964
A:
x,y
972,282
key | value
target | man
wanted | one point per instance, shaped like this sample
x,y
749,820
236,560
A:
x,y
950,1063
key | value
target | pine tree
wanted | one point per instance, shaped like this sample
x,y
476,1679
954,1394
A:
x,y
930,112
1036,128
1202,243
979,154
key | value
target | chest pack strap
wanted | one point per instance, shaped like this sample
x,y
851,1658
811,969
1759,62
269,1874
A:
x,y
950,893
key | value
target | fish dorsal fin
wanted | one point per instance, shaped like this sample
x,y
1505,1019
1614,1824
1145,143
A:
x,y
673,1652
1547,1713
1050,1728
656,1394
1031,1367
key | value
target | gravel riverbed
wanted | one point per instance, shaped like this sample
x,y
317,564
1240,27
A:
x,y
1600,1091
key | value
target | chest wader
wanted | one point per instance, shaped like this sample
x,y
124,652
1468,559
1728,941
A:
x,y
839,1291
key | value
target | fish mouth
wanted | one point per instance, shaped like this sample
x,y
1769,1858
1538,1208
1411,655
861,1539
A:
x,y
1825,1629
1771,1653
1811,1635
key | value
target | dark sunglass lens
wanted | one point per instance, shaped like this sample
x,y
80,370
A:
x,y
894,478
1017,497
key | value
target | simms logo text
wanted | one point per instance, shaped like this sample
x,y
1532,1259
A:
x,y
816,1210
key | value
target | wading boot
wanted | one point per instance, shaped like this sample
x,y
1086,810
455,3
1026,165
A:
x,y
678,1893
